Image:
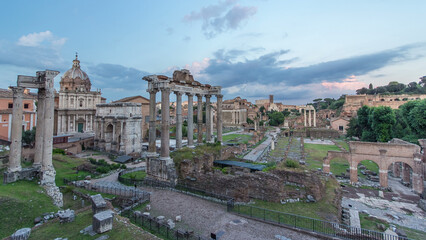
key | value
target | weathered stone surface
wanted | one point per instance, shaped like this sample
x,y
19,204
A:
x,y
53,191
178,218
422,204
102,222
21,234
170,223
66,216
98,203
37,220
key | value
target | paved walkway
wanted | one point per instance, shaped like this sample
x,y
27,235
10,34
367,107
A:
x,y
255,154
205,217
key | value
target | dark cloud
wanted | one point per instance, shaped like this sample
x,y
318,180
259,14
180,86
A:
x,y
221,17
117,81
269,68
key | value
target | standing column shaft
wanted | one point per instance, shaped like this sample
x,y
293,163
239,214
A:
x,y
152,118
304,114
219,118
165,124
16,134
38,155
48,129
102,129
310,118
208,119
178,120
200,118
190,120
315,118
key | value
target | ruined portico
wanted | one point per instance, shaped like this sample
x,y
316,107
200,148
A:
x,y
309,115
385,155
42,166
161,167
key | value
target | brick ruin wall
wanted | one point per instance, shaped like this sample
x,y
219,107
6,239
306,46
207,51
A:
x,y
272,186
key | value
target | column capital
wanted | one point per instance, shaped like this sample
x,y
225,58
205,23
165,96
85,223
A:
x,y
178,93
199,95
219,96
190,94
165,89
17,91
153,91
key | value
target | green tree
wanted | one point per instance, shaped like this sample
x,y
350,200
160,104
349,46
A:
x,y
276,118
382,120
28,137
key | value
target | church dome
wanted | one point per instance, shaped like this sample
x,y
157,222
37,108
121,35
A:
x,y
75,79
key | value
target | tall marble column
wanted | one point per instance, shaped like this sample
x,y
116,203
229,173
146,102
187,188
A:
x,y
48,129
315,118
178,120
310,118
38,155
16,134
200,118
165,124
152,120
121,136
304,114
190,120
208,119
219,118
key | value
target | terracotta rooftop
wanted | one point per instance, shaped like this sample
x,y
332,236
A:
x,y
6,93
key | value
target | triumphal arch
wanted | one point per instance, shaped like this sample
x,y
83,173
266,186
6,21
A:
x,y
162,167
395,154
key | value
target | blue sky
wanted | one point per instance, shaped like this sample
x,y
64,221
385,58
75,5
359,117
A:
x,y
296,50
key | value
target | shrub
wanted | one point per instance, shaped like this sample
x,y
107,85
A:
x,y
123,166
114,166
102,169
58,151
292,164
102,162
93,161
225,170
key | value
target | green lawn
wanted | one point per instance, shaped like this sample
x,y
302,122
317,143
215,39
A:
x,y
315,154
64,166
20,203
338,166
323,209
236,138
138,175
343,143
121,230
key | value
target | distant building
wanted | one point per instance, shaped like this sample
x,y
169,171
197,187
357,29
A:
x,y
340,124
355,102
144,109
6,107
235,111
76,104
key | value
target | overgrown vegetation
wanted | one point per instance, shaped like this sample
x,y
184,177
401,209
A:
x,y
189,153
396,88
104,167
382,123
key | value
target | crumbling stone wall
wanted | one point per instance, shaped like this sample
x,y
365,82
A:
x,y
271,186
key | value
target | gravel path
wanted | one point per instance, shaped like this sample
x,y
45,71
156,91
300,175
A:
x,y
205,217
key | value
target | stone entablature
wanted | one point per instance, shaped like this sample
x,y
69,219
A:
x,y
118,128
355,102
384,155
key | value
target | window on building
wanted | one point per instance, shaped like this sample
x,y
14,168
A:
x,y
340,128
81,103
146,119
26,105
10,105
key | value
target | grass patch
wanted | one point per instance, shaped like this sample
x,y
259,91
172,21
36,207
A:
x,y
236,138
65,168
138,175
343,144
121,230
189,153
338,166
315,154
20,203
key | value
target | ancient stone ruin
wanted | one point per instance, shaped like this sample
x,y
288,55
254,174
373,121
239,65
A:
x,y
42,166
162,167
395,154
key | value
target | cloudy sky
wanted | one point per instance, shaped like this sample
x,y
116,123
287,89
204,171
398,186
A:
x,y
296,50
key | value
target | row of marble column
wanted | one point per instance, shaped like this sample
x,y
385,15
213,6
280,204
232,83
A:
x,y
165,120
66,121
310,123
44,130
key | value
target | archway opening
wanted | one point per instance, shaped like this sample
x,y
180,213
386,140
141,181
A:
x,y
401,171
339,167
368,170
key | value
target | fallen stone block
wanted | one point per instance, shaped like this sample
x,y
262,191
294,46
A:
x,y
98,203
21,234
66,216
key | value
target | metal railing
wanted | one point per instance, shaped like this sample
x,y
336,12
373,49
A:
x,y
310,224
158,228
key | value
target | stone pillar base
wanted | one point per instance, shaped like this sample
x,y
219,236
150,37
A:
x,y
53,191
25,173
161,170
